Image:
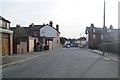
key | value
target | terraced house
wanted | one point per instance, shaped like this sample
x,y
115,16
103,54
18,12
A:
x,y
95,36
26,39
6,37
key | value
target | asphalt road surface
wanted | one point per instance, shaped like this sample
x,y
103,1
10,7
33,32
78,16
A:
x,y
64,63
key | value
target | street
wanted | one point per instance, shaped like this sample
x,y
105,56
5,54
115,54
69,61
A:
x,y
64,63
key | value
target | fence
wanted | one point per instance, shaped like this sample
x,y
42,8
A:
x,y
112,47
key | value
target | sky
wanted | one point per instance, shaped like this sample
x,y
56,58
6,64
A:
x,y
73,16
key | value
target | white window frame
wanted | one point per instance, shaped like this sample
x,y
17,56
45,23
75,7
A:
x,y
101,36
8,25
93,29
94,36
0,23
109,30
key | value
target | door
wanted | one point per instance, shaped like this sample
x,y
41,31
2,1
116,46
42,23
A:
x,y
5,44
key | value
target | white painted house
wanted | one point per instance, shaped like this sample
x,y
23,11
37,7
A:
x,y
48,31
81,41
51,36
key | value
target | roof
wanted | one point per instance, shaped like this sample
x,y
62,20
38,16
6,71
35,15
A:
x,y
53,28
81,38
36,27
100,30
56,29
26,31
1,18
20,31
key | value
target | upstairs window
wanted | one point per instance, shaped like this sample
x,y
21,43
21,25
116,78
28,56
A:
x,y
93,29
8,25
101,36
109,30
0,23
35,34
4,24
94,36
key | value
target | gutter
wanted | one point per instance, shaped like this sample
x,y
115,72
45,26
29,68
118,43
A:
x,y
6,31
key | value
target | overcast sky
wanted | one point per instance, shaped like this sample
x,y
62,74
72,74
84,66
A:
x,y
72,15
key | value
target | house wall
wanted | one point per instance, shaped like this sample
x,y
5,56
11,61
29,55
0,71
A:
x,y
77,42
6,43
27,46
11,43
6,37
50,45
48,31
22,47
56,41
97,39
87,37
31,44
0,43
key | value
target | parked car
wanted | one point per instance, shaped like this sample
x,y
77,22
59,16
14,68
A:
x,y
68,46
81,46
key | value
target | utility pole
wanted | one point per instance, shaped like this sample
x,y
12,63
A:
x,y
104,30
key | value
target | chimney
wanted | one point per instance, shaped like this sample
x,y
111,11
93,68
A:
x,y
43,24
32,24
51,23
92,25
17,25
111,27
57,27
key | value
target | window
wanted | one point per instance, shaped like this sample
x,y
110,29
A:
x,y
0,23
8,25
4,24
94,36
101,36
93,29
109,30
35,34
116,36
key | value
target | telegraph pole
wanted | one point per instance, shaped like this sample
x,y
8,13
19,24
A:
x,y
104,30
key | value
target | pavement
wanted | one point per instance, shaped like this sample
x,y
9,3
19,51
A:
x,y
18,58
111,56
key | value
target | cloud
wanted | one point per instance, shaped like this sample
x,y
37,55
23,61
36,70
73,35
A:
x,y
72,15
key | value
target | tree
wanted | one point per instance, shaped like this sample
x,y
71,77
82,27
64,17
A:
x,y
62,40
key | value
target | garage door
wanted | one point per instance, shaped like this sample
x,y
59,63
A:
x,y
0,43
5,44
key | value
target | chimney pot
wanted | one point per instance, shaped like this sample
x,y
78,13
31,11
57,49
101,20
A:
x,y
51,23
57,27
17,25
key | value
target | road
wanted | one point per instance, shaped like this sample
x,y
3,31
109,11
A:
x,y
64,63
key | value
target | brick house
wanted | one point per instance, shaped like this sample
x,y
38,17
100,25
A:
x,y
26,38
6,37
95,35
23,41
